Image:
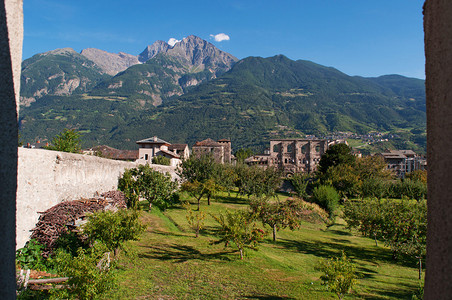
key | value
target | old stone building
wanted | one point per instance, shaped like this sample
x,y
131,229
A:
x,y
220,150
296,155
292,155
154,146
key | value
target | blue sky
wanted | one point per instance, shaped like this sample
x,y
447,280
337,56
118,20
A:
x,y
358,37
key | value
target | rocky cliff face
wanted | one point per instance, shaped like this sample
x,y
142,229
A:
x,y
57,72
202,55
110,63
66,72
152,50
193,52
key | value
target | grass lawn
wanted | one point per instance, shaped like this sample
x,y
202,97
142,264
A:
x,y
170,263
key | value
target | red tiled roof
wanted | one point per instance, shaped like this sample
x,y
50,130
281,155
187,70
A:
x,y
207,142
112,153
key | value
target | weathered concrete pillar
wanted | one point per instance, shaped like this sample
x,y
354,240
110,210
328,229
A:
x,y
11,35
438,52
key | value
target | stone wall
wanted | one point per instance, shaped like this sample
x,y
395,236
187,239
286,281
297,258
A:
x,y
45,178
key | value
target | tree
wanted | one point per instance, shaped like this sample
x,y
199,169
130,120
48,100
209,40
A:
x,y
402,224
156,187
336,155
129,185
256,181
202,177
243,154
300,182
372,166
277,215
327,197
339,275
195,219
237,227
365,216
66,141
113,228
344,179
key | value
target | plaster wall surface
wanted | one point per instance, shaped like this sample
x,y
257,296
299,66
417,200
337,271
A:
x,y
46,178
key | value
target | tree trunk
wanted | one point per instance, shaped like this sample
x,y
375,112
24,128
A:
x,y
241,253
208,200
420,267
197,230
274,233
199,200
375,237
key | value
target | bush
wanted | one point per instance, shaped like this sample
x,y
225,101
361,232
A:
x,y
339,275
113,228
29,257
161,160
67,141
238,228
327,197
411,189
90,273
375,188
156,187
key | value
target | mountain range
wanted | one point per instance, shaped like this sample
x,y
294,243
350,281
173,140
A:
x,y
192,90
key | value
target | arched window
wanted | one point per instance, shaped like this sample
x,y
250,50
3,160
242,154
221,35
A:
x,y
290,148
276,148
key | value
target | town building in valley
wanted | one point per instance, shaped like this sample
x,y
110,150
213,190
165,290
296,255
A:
x,y
292,155
220,150
154,146
404,161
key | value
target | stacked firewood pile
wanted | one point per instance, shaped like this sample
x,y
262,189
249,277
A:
x,y
58,219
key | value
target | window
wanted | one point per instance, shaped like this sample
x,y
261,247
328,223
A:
x,y
146,157
303,149
317,148
290,148
276,148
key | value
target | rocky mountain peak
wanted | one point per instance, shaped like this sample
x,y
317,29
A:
x,y
152,50
110,63
61,51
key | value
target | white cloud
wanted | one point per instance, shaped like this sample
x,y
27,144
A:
x,y
172,42
220,37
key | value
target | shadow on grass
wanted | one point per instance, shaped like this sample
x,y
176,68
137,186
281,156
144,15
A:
x,y
339,232
168,233
333,249
385,293
182,253
232,199
266,297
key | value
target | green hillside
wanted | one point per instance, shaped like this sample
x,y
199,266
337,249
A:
x,y
258,99
58,72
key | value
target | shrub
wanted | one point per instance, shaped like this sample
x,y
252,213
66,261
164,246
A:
x,y
90,273
161,160
158,188
339,275
67,141
29,257
113,228
238,228
327,197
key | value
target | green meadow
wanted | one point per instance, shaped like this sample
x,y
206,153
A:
x,y
168,262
